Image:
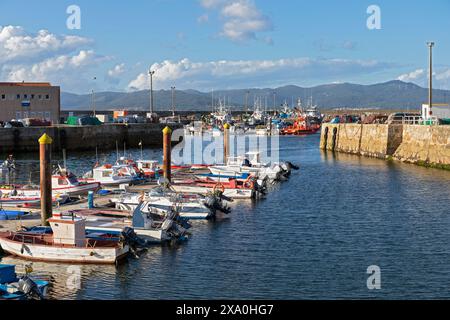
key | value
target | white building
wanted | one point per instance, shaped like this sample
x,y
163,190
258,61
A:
x,y
438,110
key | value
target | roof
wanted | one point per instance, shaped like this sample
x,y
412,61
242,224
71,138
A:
x,y
25,84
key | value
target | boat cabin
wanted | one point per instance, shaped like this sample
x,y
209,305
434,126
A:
x,y
68,231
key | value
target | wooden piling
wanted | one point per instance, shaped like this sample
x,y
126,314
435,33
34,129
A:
x,y
45,152
226,142
167,153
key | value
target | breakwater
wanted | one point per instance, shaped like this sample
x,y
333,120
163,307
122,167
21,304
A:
x,y
83,138
424,145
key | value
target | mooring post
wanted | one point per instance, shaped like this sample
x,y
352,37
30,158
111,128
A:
x,y
45,152
167,153
226,142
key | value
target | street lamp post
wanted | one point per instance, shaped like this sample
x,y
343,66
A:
x,y
173,101
151,73
93,99
430,90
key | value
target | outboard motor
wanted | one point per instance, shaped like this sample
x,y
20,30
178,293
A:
x,y
261,188
29,288
292,166
213,203
129,237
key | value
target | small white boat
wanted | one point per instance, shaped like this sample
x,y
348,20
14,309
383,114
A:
x,y
64,182
143,223
66,243
109,175
26,202
189,206
149,168
250,163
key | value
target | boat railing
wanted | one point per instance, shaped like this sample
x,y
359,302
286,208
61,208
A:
x,y
419,120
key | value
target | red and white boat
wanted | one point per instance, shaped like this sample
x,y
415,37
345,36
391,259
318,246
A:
x,y
28,202
149,168
232,188
64,182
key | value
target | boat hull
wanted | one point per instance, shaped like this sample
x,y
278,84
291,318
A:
x,y
231,193
64,254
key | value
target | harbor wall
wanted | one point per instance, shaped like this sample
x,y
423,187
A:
x,y
425,145
428,145
83,138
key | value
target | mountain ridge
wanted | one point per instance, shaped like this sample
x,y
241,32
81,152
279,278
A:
x,y
394,94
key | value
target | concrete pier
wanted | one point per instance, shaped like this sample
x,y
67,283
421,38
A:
x,y
83,138
419,144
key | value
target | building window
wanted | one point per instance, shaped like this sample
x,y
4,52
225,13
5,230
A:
x,y
25,96
47,97
40,97
3,96
18,97
47,115
32,96
18,115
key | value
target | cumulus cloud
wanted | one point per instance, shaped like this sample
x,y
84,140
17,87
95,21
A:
x,y
64,60
18,45
242,20
53,68
244,73
117,71
413,75
441,76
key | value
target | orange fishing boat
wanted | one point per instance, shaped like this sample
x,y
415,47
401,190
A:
x,y
301,126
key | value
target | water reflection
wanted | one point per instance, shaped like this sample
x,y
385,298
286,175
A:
x,y
312,237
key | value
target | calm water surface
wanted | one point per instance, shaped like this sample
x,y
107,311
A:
x,y
312,237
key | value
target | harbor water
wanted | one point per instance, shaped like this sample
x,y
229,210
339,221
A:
x,y
313,236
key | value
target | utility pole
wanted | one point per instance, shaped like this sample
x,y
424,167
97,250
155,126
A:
x,y
93,100
173,101
246,101
274,100
430,85
151,73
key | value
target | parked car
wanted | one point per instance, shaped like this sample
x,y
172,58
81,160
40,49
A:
x,y
35,122
13,124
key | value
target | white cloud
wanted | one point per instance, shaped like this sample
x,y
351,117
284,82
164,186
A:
x,y
211,3
242,20
414,75
245,73
117,71
63,60
53,68
441,77
18,45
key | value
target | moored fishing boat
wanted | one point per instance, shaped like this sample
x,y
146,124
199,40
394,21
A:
x,y
109,175
250,163
64,182
188,206
153,228
66,243
301,126
29,201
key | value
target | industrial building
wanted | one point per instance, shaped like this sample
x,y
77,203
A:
x,y
21,100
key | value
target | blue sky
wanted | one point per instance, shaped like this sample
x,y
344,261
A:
x,y
220,44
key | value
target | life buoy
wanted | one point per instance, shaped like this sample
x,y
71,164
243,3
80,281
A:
x,y
219,185
249,184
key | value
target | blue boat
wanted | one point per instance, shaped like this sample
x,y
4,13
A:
x,y
222,177
23,288
11,215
